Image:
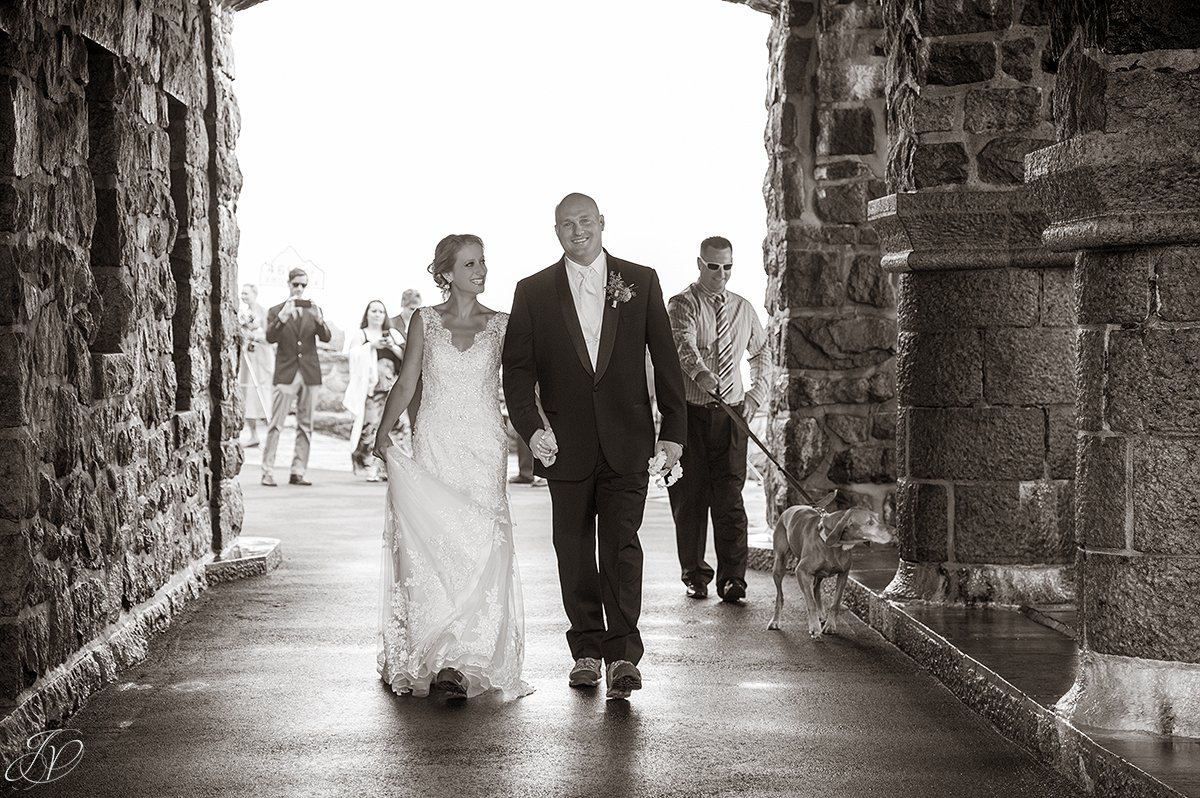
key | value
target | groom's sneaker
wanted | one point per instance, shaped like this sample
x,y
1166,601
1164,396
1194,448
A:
x,y
586,672
623,679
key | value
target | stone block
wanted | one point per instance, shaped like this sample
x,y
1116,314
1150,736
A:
x,y
1002,160
1029,366
838,343
796,56
1090,379
18,474
812,278
1062,439
1171,388
853,430
1058,298
1016,58
922,521
843,203
1166,495
883,425
1013,523
868,284
800,13
933,114
863,464
976,443
11,680
940,369
846,131
1178,273
805,390
965,16
1100,492
1145,606
956,63
18,572
113,374
803,443
939,165
1000,110
938,301
1127,372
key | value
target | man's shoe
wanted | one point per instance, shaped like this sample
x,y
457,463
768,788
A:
x,y
268,480
296,479
538,482
733,591
623,679
520,479
586,672
696,589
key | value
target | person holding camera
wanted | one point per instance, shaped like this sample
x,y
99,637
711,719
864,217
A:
x,y
294,327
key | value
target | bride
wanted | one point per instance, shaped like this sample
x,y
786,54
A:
x,y
451,614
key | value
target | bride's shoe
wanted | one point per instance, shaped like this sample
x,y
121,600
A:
x,y
453,682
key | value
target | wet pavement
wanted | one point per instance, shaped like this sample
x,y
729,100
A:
x,y
267,686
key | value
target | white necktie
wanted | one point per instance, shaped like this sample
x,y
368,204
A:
x,y
589,318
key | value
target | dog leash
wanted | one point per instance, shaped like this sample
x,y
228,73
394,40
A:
x,y
741,424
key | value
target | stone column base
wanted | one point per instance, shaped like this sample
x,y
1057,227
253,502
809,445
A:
x,y
1133,694
997,585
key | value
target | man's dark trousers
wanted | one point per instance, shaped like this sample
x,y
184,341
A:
x,y
714,472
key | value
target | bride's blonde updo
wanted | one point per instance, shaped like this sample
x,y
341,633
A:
x,y
446,253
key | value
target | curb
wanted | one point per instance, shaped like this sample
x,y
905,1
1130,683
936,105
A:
x,y
1051,739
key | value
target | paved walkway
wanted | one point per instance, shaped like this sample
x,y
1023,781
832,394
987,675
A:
x,y
268,687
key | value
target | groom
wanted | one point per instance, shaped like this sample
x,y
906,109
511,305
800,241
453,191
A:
x,y
578,333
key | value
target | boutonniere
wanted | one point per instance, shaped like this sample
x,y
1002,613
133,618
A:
x,y
617,291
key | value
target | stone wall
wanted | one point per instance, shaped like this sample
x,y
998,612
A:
x,y
986,347
118,405
831,308
1123,188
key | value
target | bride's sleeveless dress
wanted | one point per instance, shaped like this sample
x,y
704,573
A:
x,y
451,593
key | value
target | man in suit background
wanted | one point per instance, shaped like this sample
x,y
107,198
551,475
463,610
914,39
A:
x,y
294,327
579,332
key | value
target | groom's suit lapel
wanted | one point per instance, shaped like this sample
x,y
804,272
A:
x,y
608,326
566,303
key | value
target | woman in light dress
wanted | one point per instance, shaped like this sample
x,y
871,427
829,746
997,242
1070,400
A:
x,y
374,353
257,364
451,606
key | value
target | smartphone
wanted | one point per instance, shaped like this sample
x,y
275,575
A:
x,y
302,303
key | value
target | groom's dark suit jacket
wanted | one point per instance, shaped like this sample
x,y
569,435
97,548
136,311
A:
x,y
606,409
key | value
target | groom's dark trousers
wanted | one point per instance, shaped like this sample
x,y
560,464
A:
x,y
605,431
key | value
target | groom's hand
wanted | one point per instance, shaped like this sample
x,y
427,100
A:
x,y
673,452
544,446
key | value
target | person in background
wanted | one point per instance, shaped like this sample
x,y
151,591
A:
x,y
714,328
257,364
410,300
294,325
374,353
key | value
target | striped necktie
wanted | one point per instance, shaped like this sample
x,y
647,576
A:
x,y
724,349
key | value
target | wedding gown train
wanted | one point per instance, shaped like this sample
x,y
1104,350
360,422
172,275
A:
x,y
451,591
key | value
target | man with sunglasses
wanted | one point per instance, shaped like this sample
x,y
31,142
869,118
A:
x,y
714,329
294,325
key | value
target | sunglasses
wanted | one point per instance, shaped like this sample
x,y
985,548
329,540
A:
x,y
300,285
712,267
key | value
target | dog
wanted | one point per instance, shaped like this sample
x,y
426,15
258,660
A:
x,y
823,543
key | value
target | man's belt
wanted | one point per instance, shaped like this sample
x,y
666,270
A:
x,y
741,424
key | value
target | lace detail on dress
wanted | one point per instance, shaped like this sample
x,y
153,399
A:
x,y
452,594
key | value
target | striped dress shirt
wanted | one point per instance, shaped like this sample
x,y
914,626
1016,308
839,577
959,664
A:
x,y
694,325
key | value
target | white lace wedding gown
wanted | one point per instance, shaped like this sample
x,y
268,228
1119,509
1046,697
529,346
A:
x,y
451,592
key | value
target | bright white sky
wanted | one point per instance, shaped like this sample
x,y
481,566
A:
x,y
372,128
